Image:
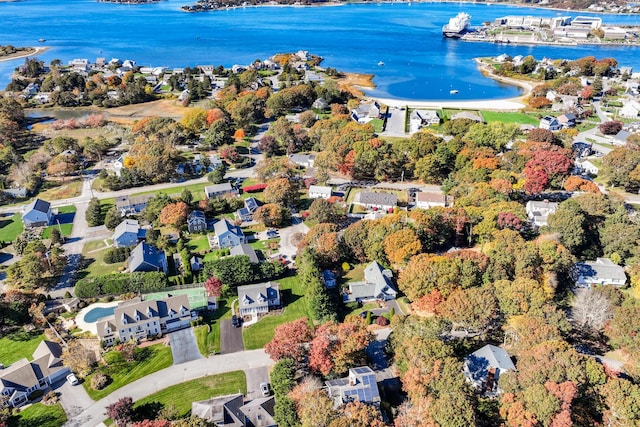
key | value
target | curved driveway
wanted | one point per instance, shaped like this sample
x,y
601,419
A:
x,y
93,415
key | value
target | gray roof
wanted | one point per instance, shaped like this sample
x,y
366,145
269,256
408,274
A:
x,y
196,215
125,202
23,374
145,254
360,385
225,187
493,357
260,412
467,115
257,295
377,284
126,226
244,249
371,198
223,226
222,410
623,135
600,270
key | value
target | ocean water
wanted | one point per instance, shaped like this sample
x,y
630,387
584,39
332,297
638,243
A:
x,y
419,64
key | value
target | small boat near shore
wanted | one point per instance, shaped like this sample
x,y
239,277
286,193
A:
x,y
454,91
380,64
41,40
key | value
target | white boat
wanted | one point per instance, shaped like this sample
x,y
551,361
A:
x,y
380,64
458,26
453,91
42,40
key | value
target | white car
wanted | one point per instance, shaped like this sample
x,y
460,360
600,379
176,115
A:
x,y
264,389
72,379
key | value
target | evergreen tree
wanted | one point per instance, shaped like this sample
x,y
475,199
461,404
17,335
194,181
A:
x,y
56,237
94,213
113,218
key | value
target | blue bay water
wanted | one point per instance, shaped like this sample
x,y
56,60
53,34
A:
x,y
419,64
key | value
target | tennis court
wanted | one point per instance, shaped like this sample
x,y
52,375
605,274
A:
x,y
197,296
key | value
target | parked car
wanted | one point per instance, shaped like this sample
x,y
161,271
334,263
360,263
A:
x,y
235,321
264,389
72,379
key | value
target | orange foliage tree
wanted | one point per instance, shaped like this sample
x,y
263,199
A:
x,y
174,214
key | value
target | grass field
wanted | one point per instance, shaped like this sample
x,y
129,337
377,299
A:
x,y
519,118
197,296
208,335
93,253
292,293
196,189
181,395
65,191
199,243
148,360
39,415
17,345
10,227
65,230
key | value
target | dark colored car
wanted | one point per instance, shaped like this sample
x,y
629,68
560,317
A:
x,y
235,321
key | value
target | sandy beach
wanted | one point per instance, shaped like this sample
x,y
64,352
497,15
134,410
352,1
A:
x,y
31,52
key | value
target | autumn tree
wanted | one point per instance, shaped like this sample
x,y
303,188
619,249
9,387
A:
x,y
470,310
174,214
272,215
79,359
623,330
323,211
121,411
195,120
358,414
401,246
289,341
610,127
338,347
591,310
281,191
213,286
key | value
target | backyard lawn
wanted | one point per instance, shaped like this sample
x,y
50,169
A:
x,y
39,415
196,189
17,345
93,253
10,227
148,360
295,307
512,117
63,220
181,395
208,335
65,230
199,243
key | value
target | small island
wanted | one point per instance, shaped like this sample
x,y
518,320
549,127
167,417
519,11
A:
x,y
12,52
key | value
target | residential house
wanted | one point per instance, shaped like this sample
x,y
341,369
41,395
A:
x,y
244,249
621,137
17,193
320,104
538,212
24,377
360,385
258,299
377,284
128,233
420,118
196,222
304,160
37,214
329,279
614,33
220,190
376,200
319,192
145,257
231,411
227,234
602,271
251,204
366,112
630,110
136,319
483,368
214,162
567,120
132,205
429,200
550,123
196,263
586,166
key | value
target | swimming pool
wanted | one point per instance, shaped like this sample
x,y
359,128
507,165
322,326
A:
x,y
98,312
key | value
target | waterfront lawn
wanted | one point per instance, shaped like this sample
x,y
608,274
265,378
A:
x,y
511,117
40,415
208,335
93,254
10,227
377,125
147,361
17,345
295,307
182,395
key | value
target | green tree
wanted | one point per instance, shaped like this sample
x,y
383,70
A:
x,y
93,215
112,218
283,377
285,412
216,176
56,237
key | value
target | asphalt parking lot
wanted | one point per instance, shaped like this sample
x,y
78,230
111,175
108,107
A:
x,y
230,338
183,346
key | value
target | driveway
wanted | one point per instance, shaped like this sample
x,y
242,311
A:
x,y
183,346
230,338
286,246
74,399
255,376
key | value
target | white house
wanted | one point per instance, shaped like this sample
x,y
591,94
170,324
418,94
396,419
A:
x,y
258,299
136,319
586,166
304,160
602,271
377,284
37,214
429,200
319,192
484,366
420,118
550,123
227,234
538,212
630,110
219,190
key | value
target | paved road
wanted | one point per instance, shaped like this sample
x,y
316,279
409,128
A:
x,y
246,360
183,346
230,338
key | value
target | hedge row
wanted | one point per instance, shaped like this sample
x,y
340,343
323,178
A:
x,y
117,284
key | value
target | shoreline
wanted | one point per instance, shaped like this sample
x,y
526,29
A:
x,y
33,51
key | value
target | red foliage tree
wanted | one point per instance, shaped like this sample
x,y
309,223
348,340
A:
x,y
611,127
256,188
152,423
536,180
289,340
430,302
121,411
509,220
213,285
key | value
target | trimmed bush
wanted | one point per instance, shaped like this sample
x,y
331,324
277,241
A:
x,y
117,284
100,381
115,255
254,188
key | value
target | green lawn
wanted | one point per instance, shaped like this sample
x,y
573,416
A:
x,y
199,243
93,253
519,118
39,415
17,345
257,335
65,230
196,189
11,227
377,125
148,360
181,395
66,209
208,335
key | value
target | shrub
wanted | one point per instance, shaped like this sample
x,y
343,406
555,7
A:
x,y
100,381
51,398
382,321
115,255
256,188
